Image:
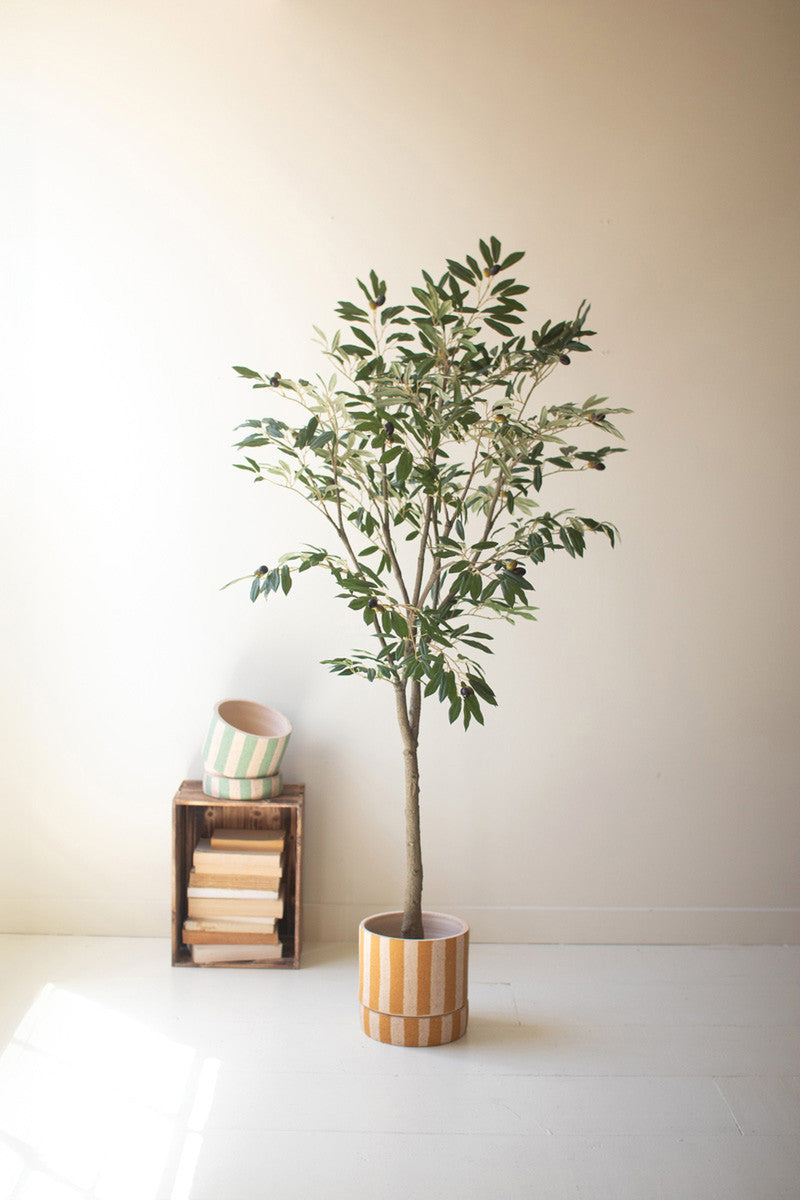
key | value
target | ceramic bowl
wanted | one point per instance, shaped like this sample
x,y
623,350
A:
x,y
245,740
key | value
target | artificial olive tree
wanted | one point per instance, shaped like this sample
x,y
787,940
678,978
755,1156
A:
x,y
426,452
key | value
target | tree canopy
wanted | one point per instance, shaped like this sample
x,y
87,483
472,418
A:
x,y
427,451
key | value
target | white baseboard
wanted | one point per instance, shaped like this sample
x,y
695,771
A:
x,y
105,918
588,926
339,922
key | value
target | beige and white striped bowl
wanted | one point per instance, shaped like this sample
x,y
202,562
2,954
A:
x,y
413,992
245,740
265,787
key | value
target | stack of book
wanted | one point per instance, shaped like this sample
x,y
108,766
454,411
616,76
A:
x,y
235,897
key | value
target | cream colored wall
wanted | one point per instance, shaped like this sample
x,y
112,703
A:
x,y
191,185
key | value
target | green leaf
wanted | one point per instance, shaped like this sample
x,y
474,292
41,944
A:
x,y
405,464
577,539
460,272
388,314
399,625
363,336
246,373
473,263
510,259
497,327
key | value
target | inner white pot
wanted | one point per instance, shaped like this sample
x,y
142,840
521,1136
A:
x,y
434,925
257,719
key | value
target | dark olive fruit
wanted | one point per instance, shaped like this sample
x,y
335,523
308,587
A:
x,y
519,570
565,359
598,466
495,270
388,429
372,602
466,691
379,300
275,380
262,570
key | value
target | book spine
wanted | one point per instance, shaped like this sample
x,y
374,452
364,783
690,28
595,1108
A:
x,y
273,845
257,882
209,893
250,938
222,862
234,908
232,925
233,954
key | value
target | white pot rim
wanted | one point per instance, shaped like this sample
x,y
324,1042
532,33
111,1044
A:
x,y
254,719
437,926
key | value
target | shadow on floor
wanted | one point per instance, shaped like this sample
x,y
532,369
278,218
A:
x,y
499,1032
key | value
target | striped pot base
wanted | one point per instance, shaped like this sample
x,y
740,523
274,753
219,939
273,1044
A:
x,y
266,788
414,1031
413,992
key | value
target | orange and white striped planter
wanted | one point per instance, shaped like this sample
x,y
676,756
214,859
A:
x,y
413,992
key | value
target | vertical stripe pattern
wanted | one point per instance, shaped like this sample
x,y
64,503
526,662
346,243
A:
x,y
225,788
415,1031
237,754
413,992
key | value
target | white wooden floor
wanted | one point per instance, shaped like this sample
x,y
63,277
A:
x,y
588,1072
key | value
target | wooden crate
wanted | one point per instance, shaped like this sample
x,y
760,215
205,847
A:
x,y
196,816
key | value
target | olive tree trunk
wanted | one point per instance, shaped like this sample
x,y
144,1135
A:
x,y
409,730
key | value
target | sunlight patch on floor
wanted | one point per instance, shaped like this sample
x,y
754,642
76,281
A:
x,y
96,1106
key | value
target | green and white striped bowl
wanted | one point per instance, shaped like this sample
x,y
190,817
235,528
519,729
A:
x,y
267,787
245,740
